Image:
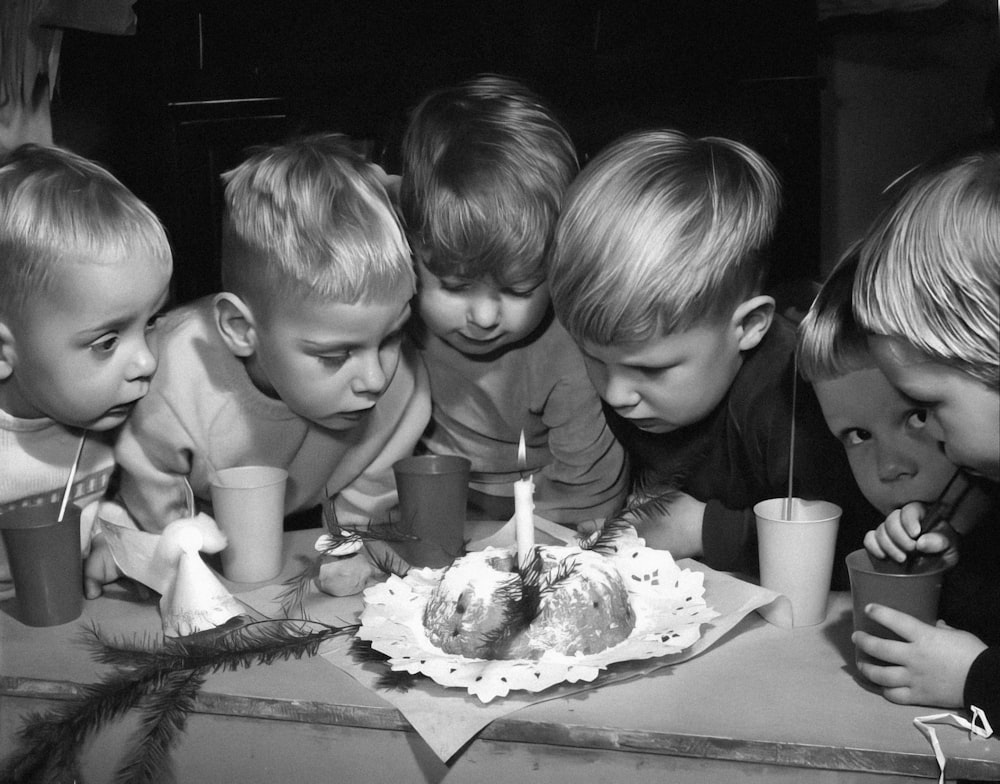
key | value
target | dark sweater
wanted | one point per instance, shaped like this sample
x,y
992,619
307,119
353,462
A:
x,y
738,455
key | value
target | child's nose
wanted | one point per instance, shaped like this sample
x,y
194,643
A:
x,y
484,312
372,377
142,364
893,465
616,390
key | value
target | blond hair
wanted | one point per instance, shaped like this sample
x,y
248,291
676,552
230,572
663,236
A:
x,y
57,207
485,167
659,232
311,217
831,343
930,266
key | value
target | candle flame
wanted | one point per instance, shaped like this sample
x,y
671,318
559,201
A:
x,y
522,455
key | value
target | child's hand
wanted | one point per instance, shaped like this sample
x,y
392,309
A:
x,y
345,576
672,522
99,568
899,537
928,668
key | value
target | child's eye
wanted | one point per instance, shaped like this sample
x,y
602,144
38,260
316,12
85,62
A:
x,y
856,436
455,287
520,293
154,320
917,419
392,340
333,361
105,344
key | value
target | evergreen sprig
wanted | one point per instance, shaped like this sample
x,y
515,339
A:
x,y
391,680
162,677
605,541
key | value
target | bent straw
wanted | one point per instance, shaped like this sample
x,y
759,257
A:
x,y
787,511
72,478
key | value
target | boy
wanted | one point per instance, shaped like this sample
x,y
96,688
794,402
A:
x,y
485,167
84,273
894,459
300,363
928,289
657,270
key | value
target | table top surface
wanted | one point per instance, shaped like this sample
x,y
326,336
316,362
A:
x,y
761,694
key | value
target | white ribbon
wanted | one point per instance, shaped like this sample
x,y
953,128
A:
x,y
979,727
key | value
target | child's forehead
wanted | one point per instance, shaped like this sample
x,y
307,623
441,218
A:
x,y
662,348
867,387
328,318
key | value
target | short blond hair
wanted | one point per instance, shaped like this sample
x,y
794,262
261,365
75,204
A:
x,y
930,266
659,232
831,342
56,206
486,164
311,217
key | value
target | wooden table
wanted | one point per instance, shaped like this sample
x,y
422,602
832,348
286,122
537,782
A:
x,y
765,704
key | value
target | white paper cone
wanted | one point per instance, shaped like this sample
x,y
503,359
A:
x,y
197,600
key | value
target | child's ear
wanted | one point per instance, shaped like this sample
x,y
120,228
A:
x,y
8,354
236,324
753,319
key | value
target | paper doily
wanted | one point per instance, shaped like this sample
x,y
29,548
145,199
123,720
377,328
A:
x,y
669,608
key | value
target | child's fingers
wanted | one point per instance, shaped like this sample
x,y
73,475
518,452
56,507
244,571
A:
x,y
873,546
906,626
895,547
911,517
933,543
92,588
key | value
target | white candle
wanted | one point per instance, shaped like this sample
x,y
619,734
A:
x,y
524,509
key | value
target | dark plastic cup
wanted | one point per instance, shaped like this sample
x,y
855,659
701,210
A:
x,y
433,490
45,562
916,593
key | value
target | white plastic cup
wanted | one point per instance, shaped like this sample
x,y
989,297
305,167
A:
x,y
796,554
249,505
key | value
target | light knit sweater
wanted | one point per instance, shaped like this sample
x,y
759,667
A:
x,y
203,413
540,386
36,456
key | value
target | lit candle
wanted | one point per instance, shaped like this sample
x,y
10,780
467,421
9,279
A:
x,y
524,508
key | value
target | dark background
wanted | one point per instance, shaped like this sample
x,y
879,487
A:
x,y
173,106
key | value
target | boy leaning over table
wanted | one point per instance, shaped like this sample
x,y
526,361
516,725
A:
x,y
485,167
893,454
928,292
84,273
300,363
657,270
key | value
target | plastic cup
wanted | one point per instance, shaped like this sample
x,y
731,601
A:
x,y
433,490
796,554
45,562
249,506
915,593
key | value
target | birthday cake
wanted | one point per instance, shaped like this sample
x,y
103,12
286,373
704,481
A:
x,y
565,599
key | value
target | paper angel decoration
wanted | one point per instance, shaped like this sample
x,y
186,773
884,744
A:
x,y
192,599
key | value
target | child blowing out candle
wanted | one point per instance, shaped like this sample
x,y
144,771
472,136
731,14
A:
x,y
524,506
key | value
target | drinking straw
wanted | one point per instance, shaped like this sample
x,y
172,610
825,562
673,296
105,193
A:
x,y
942,509
72,478
188,496
787,511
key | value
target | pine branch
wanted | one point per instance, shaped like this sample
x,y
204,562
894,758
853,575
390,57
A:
x,y
387,561
293,597
52,741
165,717
390,680
171,673
605,541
